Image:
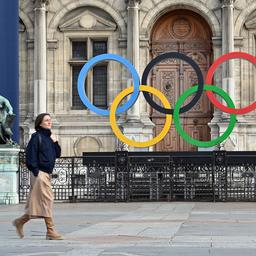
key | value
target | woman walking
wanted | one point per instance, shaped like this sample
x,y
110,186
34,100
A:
x,y
41,153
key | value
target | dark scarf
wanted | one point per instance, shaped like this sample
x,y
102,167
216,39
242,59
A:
x,y
46,132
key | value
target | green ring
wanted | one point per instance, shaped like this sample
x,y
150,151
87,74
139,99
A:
x,y
195,142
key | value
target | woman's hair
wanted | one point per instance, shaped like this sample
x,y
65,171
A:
x,y
39,120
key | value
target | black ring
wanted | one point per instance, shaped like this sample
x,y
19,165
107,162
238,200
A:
x,y
173,55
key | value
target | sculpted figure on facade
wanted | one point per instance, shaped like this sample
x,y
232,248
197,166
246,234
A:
x,y
6,120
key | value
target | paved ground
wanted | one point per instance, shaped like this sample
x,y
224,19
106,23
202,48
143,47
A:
x,y
136,229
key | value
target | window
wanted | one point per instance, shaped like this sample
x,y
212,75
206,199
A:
x,y
99,47
100,86
96,81
79,50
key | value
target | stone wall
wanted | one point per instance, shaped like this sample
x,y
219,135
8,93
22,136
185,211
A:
x,y
82,130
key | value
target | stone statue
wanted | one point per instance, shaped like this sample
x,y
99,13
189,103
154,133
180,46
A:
x,y
6,120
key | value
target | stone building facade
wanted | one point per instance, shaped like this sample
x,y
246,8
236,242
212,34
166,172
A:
x,y
58,36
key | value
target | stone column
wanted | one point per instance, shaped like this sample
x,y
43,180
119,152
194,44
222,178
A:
x,y
40,52
214,124
228,46
228,83
133,47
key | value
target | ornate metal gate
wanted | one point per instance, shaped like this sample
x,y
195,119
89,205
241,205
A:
x,y
133,176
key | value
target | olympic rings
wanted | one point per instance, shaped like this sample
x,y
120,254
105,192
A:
x,y
93,61
173,55
135,91
116,129
195,142
209,76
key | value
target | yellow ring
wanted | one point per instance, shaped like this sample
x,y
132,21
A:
x,y
116,129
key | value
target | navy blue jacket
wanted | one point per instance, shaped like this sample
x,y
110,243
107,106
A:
x,y
41,152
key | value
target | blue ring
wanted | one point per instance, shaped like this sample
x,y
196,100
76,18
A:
x,y
83,74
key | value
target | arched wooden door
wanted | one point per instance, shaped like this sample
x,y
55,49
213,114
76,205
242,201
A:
x,y
186,32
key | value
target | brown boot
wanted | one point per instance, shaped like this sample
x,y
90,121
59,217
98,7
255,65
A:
x,y
51,233
18,223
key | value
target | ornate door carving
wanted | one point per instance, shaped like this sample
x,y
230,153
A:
x,y
186,32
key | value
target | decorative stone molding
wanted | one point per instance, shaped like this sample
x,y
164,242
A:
x,y
88,21
239,41
251,23
132,3
227,3
116,15
122,43
52,44
163,7
144,42
87,144
40,3
216,41
22,27
29,27
243,17
30,43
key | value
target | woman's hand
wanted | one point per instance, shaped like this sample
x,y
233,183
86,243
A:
x,y
53,137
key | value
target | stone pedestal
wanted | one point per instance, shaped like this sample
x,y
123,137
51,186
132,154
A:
x,y
9,176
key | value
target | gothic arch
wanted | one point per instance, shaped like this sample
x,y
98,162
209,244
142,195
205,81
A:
x,y
243,16
165,6
28,24
53,24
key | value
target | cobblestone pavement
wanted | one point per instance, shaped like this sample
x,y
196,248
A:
x,y
136,229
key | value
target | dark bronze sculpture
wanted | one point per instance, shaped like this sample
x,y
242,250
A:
x,y
6,120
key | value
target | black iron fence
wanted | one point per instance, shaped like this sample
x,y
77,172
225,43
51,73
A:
x,y
155,176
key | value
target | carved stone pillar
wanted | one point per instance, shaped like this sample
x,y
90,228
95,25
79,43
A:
x,y
133,48
40,52
228,46
136,127
228,83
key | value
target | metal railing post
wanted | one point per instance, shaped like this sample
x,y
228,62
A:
x,y
73,199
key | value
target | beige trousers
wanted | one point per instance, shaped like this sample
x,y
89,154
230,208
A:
x,y
40,198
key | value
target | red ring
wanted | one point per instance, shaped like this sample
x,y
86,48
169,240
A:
x,y
210,94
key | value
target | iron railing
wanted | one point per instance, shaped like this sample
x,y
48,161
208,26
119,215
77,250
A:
x,y
155,176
